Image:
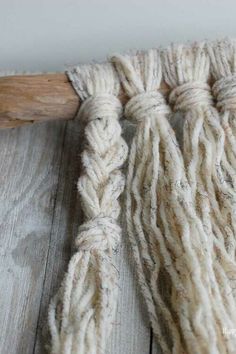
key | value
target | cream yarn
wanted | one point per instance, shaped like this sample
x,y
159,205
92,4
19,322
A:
x,y
165,231
186,70
81,315
180,205
140,76
223,68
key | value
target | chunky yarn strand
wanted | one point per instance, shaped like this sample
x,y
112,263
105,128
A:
x,y
223,68
82,313
140,76
166,234
186,71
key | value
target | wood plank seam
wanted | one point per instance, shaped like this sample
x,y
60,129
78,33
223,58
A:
x,y
50,236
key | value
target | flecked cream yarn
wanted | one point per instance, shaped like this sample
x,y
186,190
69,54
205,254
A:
x,y
81,315
186,70
165,231
223,68
180,204
140,76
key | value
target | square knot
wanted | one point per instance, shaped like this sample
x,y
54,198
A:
x,y
101,233
99,106
190,96
146,104
224,90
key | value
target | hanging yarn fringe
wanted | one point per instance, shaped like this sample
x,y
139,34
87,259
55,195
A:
x,y
180,205
223,68
186,71
165,231
81,314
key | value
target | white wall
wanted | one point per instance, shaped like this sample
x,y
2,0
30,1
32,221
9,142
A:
x,y
46,35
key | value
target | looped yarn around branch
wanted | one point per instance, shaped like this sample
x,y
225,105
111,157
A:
x,y
96,107
94,80
190,96
224,90
146,104
101,234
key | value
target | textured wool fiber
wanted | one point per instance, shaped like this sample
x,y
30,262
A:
x,y
180,202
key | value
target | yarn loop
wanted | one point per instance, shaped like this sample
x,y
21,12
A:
x,y
146,104
96,107
224,90
190,95
101,233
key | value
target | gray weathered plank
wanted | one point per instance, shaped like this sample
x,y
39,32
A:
x,y
131,332
66,219
29,163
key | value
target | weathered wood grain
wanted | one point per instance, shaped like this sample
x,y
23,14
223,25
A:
x,y
66,218
131,332
29,163
26,99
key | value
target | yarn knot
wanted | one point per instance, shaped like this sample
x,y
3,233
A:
x,y
224,91
100,106
145,105
190,95
101,233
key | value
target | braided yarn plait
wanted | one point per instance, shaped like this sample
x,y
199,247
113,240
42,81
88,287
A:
x,y
81,314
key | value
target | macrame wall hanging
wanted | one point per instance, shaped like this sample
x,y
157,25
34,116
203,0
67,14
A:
x,y
180,199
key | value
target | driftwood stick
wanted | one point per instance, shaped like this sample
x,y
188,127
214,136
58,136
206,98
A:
x,y
28,99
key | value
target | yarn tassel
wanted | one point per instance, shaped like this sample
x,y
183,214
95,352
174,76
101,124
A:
x,y
82,313
186,71
223,69
166,235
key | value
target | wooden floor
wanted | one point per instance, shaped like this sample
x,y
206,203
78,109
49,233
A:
x,y
39,217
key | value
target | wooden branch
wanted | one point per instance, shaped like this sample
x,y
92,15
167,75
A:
x,y
36,98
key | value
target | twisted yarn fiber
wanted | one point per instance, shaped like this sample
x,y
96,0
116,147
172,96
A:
x,y
223,68
140,76
81,314
165,232
186,70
